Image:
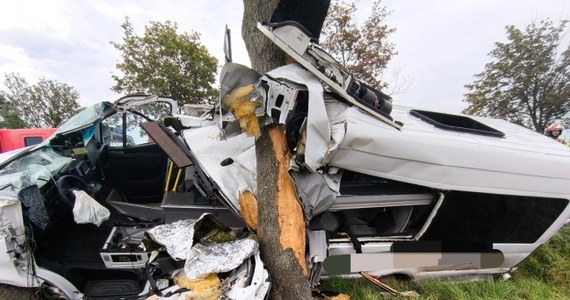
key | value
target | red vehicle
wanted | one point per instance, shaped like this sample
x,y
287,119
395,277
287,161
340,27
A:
x,y
11,139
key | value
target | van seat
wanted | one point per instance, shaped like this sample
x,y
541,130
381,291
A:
x,y
368,221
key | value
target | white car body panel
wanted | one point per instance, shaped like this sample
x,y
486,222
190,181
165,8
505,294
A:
x,y
522,163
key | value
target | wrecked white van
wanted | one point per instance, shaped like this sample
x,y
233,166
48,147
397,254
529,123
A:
x,y
420,201
80,218
389,189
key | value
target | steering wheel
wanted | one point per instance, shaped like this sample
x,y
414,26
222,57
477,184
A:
x,y
66,184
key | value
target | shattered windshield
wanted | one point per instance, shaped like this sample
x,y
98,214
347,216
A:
x,y
85,117
35,165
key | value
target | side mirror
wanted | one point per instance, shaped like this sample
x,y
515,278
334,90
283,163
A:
x,y
227,45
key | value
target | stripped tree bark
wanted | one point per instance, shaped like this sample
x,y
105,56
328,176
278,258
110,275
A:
x,y
280,221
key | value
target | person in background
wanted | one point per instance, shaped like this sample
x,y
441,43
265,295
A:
x,y
554,131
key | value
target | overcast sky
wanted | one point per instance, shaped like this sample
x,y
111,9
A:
x,y
441,44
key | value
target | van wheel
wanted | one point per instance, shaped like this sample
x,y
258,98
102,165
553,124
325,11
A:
x,y
14,292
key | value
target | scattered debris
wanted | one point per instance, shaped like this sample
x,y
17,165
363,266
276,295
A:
x,y
210,250
380,284
328,295
202,288
391,291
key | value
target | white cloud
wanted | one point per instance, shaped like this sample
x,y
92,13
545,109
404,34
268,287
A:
x,y
441,44
117,9
43,17
14,59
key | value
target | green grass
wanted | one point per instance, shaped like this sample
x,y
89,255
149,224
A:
x,y
544,275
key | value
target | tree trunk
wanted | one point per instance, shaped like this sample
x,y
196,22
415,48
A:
x,y
281,227
264,55
280,221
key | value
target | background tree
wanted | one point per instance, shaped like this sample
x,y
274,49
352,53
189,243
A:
x,y
167,63
8,115
362,49
47,103
527,81
280,220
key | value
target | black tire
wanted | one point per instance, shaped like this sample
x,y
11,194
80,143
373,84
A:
x,y
10,292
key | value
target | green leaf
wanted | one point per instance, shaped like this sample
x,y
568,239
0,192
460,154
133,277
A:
x,y
165,62
528,80
47,103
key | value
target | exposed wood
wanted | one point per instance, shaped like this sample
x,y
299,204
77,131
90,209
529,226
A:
x,y
248,209
281,228
289,211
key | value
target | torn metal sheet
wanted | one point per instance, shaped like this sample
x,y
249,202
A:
x,y
240,175
249,281
323,66
318,127
281,97
204,259
212,150
316,191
